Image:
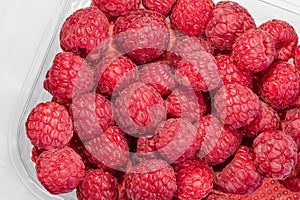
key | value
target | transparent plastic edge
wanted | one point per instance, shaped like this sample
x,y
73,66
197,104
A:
x,y
285,5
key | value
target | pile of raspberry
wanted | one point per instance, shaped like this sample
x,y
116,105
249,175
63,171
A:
x,y
165,99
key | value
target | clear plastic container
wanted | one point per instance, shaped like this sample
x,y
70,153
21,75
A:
x,y
33,92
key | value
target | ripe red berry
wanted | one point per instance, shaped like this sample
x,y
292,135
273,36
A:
x,y
297,57
293,181
236,105
275,154
49,126
160,6
217,197
191,17
254,51
145,150
59,170
98,185
292,124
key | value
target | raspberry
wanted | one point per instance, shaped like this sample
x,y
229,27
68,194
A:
x,y
152,179
285,38
115,74
160,6
139,109
186,103
146,150
158,75
297,57
142,34
49,126
63,102
230,73
98,185
35,153
229,21
85,33
198,71
219,142
191,17
293,181
217,197
194,179
236,105
109,150
275,154
254,51
69,76
280,86
292,124
240,176
59,170
177,140
114,8
92,113
267,119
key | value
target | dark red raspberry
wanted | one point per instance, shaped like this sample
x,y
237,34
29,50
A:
x,y
160,6
152,179
194,179
217,197
109,150
98,185
59,170
49,126
64,102
35,153
292,124
267,119
297,57
280,86
236,105
186,103
230,73
145,150
115,74
199,71
293,181
142,34
139,109
240,176
92,114
218,141
229,21
177,140
114,8
275,154
69,76
191,17
254,50
285,38
159,76
85,33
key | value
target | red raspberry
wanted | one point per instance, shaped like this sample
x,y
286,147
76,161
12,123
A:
x,y
285,38
293,181
297,57
35,153
292,124
139,109
63,102
194,179
229,21
280,86
92,113
217,197
267,119
275,154
114,8
109,150
160,6
186,103
69,76
152,179
85,33
177,140
254,50
191,17
142,34
146,150
219,142
240,176
230,73
49,126
59,170
159,76
98,185
236,105
199,71
115,74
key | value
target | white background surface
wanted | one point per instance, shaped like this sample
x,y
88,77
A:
x,y
22,24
